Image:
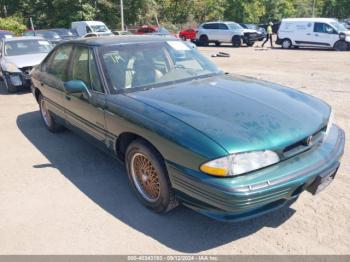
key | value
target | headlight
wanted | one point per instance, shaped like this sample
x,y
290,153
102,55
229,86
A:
x,y
16,79
241,163
330,123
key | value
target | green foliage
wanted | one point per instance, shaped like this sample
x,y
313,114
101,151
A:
x,y
12,24
60,13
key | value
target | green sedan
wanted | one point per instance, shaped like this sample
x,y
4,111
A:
x,y
229,147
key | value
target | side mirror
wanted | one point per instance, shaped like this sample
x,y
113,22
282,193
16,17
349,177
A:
x,y
76,87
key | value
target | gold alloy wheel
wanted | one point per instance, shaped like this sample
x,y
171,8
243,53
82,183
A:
x,y
145,177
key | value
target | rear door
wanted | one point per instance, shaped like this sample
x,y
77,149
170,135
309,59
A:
x,y
212,31
51,77
224,34
82,112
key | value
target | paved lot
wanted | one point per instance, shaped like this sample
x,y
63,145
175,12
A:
x,y
59,195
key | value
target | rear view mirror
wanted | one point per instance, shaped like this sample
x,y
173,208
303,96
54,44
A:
x,y
76,86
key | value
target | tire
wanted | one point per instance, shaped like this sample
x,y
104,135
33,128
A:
x,y
286,44
250,44
148,177
46,116
217,43
341,46
236,41
203,40
8,85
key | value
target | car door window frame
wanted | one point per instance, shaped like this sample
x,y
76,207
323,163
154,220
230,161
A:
x,y
48,60
98,68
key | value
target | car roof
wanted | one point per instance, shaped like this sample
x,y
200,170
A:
x,y
320,19
121,39
222,22
23,38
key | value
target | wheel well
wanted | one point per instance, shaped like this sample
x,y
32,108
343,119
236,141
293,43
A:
x,y
37,93
124,140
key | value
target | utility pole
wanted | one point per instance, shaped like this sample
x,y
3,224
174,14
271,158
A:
x,y
313,8
122,13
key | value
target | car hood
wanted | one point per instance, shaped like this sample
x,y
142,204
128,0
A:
x,y
249,31
26,60
239,113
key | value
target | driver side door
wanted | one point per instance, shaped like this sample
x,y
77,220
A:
x,y
85,112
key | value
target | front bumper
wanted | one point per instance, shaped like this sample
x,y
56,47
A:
x,y
18,79
251,195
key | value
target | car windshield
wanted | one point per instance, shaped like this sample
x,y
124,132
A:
x,y
26,47
251,26
340,27
153,64
234,26
99,28
162,30
48,34
64,32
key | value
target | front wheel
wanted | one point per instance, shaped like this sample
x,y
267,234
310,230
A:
x,y
341,45
236,41
148,177
49,121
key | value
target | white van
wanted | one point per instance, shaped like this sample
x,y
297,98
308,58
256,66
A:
x,y
313,32
86,27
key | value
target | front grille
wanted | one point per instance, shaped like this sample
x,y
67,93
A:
x,y
304,144
250,35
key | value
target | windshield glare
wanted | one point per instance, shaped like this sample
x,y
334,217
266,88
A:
x,y
234,26
25,47
340,27
159,63
99,28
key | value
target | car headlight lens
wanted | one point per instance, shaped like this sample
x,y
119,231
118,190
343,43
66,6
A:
x,y
330,123
241,163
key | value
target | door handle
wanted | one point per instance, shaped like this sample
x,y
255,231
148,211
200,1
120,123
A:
x,y
308,34
41,83
68,97
316,34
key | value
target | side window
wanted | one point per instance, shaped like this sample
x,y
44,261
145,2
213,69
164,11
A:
x,y
323,28
84,68
211,26
223,27
88,29
57,64
94,76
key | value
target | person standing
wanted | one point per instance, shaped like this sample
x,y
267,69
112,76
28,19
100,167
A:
x,y
269,35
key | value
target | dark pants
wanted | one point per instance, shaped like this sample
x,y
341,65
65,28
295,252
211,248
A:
x,y
268,36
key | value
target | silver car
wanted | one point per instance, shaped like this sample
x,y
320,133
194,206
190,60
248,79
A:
x,y
18,55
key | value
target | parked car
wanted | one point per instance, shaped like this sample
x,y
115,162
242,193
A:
x,y
188,34
146,29
187,132
117,32
6,34
49,35
346,25
18,55
313,32
225,32
85,27
261,32
64,33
